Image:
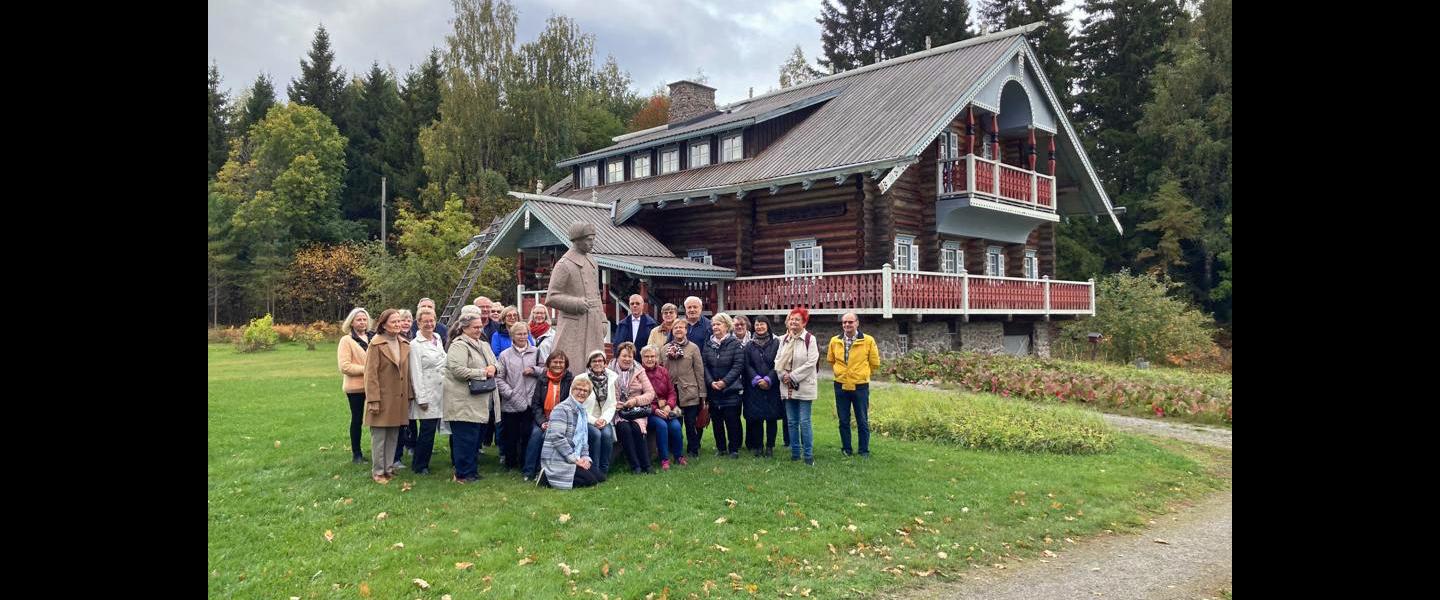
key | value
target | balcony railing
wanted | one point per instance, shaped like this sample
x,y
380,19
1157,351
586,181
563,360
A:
x,y
971,174
888,292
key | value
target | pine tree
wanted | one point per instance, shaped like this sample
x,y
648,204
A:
x,y
797,70
420,107
863,33
1187,130
1119,45
373,102
943,21
219,129
321,84
1176,219
1051,43
258,102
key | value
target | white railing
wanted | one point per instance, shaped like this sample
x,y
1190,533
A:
x,y
1013,185
887,292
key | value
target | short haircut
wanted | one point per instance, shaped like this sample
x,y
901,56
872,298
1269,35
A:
x,y
385,317
405,313
670,307
650,349
724,321
465,321
696,299
560,354
626,346
520,328
422,301
507,310
425,311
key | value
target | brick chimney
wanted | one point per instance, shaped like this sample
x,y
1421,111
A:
x,y
689,100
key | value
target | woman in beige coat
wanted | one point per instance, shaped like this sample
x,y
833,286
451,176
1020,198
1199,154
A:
x,y
687,370
795,362
350,353
469,359
388,392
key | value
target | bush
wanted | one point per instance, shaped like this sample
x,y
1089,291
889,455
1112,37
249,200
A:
x,y
1139,319
288,333
989,423
259,335
314,334
1160,392
227,335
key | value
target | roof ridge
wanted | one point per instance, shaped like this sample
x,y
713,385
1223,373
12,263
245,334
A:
x,y
890,62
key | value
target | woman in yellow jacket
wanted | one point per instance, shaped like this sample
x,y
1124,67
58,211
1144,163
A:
x,y
351,356
852,355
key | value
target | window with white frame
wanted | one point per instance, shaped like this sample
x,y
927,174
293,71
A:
x,y
952,258
700,255
669,160
587,176
640,166
732,148
995,261
699,153
804,257
1032,264
907,254
615,171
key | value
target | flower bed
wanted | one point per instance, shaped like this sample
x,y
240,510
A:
x,y
1159,392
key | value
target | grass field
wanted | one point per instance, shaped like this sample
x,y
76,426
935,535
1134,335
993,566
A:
x,y
280,481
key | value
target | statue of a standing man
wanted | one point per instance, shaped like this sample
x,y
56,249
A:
x,y
575,292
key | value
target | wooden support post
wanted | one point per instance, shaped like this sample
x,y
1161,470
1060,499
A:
x,y
887,291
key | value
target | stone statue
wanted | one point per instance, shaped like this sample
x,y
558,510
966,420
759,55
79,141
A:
x,y
575,292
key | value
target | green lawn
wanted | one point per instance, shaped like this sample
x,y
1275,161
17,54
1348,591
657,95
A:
x,y
721,527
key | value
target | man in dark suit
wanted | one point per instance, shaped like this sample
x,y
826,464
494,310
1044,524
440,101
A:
x,y
636,328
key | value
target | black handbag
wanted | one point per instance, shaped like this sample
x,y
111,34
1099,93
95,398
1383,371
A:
x,y
636,412
482,386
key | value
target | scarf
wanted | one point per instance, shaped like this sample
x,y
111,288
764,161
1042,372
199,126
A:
x,y
601,387
581,437
538,329
552,390
364,342
675,350
764,339
714,343
785,362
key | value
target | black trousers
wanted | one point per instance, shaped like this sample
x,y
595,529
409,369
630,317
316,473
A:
x,y
424,444
357,417
515,436
692,434
637,452
755,427
727,428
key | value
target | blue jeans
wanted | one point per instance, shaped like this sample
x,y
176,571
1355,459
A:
x,y
601,449
860,399
466,436
669,437
797,417
532,451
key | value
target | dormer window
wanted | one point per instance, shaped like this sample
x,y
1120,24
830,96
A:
x,y
699,153
640,166
732,147
588,176
615,171
669,160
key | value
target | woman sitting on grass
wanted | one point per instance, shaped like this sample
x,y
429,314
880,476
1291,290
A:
x,y
565,459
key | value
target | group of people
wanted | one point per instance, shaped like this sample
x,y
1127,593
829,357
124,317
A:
x,y
498,379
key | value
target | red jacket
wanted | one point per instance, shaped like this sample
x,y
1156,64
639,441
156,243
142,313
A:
x,y
664,388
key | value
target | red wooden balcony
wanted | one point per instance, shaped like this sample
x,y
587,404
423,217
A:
x,y
972,175
888,292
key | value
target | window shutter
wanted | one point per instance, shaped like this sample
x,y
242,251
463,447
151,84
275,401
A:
x,y
899,264
817,253
914,257
789,261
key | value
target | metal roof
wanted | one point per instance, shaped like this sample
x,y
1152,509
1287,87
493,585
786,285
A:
x,y
880,115
625,247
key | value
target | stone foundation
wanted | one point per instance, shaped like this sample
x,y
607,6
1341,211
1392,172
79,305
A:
x,y
932,334
1045,332
983,336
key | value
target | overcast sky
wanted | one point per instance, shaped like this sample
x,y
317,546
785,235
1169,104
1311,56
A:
x,y
738,43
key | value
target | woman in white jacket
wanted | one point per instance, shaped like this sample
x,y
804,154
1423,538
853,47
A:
x,y
600,411
427,371
795,362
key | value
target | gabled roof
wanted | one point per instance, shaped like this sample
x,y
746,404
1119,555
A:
x,y
872,118
624,247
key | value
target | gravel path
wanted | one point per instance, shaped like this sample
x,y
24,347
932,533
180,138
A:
x,y
1191,560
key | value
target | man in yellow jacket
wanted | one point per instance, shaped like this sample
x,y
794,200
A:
x,y
852,355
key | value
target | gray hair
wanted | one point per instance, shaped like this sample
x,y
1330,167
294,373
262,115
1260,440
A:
x,y
670,307
404,313
465,320
724,320
696,299
520,327
424,300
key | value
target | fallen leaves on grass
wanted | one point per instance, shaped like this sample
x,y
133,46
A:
x,y
464,565
565,517
364,590
720,521
564,568
329,535
524,561
732,503
382,516
721,548
277,443
397,545
420,583
942,555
